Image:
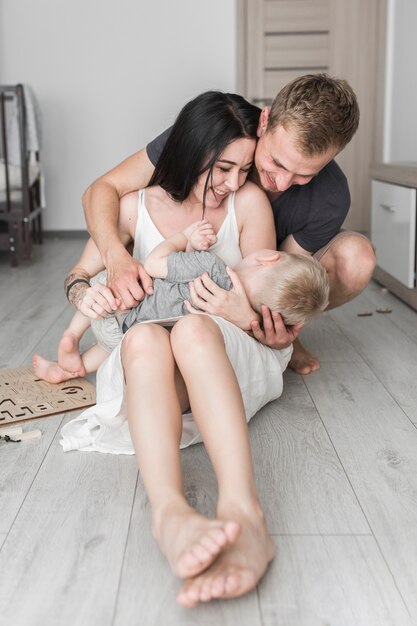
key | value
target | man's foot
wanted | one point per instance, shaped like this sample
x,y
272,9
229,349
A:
x,y
50,371
302,361
69,357
237,570
191,541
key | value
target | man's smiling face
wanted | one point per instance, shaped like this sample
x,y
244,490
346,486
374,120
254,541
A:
x,y
280,163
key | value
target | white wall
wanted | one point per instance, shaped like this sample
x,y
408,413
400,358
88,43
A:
x,y
109,75
400,136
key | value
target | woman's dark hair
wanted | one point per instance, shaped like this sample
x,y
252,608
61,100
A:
x,y
201,132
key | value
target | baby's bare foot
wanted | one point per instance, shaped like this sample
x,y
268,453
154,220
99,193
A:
x,y
69,357
50,371
302,361
237,570
191,542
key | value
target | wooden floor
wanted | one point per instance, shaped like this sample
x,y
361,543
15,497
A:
x,y
336,467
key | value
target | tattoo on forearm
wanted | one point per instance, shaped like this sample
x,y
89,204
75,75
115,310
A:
x,y
75,286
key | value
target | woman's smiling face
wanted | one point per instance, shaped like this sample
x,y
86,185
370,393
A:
x,y
229,173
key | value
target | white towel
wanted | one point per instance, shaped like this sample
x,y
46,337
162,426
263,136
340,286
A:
x,y
33,129
33,126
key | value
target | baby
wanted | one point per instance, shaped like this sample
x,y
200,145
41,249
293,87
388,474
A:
x,y
294,285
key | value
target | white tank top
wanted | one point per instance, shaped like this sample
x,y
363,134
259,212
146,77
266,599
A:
x,y
147,236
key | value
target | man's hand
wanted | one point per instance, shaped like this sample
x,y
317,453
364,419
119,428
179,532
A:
x,y
274,332
233,305
128,280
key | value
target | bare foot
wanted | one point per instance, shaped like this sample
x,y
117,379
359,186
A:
x,y
191,541
69,357
302,361
237,570
50,371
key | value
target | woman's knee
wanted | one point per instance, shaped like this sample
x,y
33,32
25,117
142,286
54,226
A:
x,y
193,332
142,341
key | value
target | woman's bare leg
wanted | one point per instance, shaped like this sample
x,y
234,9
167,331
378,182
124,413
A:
x,y
217,406
156,396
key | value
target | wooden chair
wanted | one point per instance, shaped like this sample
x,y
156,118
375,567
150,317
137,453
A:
x,y
20,185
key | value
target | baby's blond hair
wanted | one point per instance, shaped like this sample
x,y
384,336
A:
x,y
297,289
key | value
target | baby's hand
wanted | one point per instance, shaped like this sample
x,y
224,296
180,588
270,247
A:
x,y
202,237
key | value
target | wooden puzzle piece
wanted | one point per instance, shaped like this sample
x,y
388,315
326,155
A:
x,y
24,396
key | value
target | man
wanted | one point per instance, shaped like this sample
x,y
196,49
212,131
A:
x,y
310,121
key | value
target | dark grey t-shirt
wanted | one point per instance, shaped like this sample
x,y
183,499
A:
x,y
311,213
170,292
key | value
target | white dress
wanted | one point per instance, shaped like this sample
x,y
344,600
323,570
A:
x,y
104,426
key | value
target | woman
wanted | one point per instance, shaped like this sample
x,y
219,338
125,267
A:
x,y
150,379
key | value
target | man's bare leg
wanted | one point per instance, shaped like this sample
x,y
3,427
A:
x,y
350,262
156,396
218,409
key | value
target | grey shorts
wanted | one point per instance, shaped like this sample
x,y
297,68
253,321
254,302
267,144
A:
x,y
343,233
106,330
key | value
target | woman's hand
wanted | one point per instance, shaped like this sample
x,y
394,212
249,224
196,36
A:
x,y
233,305
127,279
273,332
97,302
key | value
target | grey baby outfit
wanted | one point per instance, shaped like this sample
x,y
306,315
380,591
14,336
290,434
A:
x,y
168,298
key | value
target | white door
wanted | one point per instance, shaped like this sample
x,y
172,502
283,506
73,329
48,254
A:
x,y
283,39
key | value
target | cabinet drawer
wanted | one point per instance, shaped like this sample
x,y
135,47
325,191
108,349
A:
x,y
393,230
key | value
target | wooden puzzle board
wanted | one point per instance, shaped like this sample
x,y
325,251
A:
x,y
23,396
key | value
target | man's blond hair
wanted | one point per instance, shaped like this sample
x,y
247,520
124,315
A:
x,y
321,111
297,288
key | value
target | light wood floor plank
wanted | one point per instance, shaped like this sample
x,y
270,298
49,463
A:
x,y
377,445
17,334
148,589
64,554
339,460
51,263
19,464
323,338
337,581
301,482
402,315
387,350
19,326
